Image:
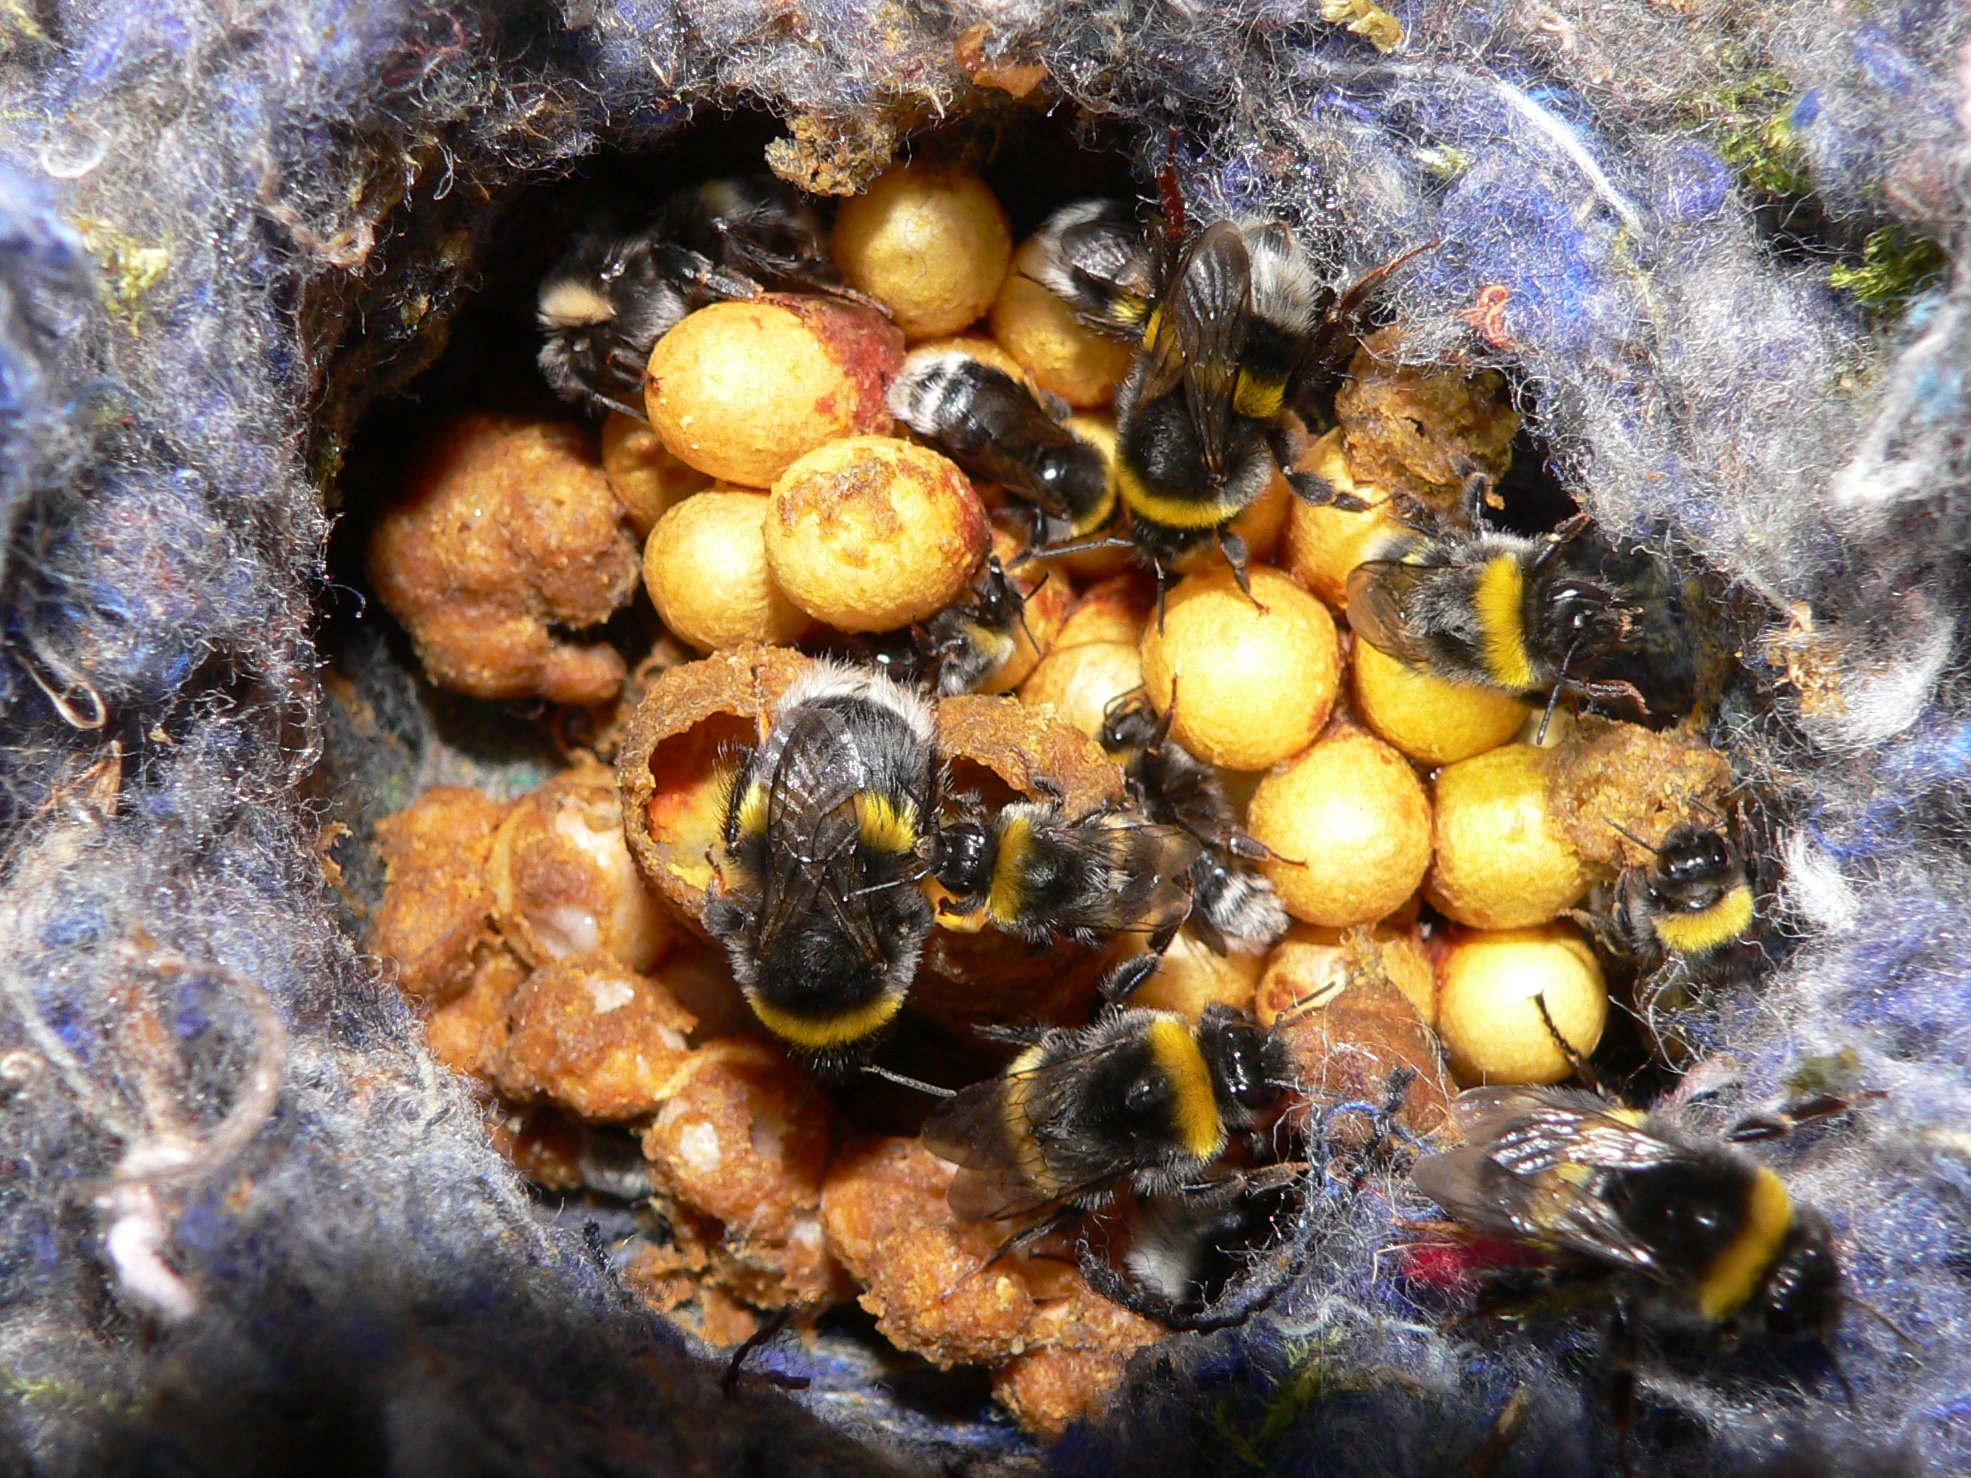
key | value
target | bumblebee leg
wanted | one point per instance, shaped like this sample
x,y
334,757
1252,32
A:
x,y
704,277
768,1330
1239,558
1582,1068
1608,689
1122,982
1784,1120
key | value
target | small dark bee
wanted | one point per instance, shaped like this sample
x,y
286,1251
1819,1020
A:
x,y
958,650
1232,907
1095,257
822,915
1686,1236
1493,610
614,294
1140,1100
1036,873
997,430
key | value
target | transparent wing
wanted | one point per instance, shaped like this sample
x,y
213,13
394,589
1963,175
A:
x,y
990,1132
1378,593
1201,332
1536,1167
812,829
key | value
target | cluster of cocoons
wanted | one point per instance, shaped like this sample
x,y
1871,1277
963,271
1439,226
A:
x,y
1427,850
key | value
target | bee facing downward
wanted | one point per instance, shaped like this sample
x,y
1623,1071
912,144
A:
x,y
614,294
1232,907
1096,259
1684,1233
823,916
1492,610
995,428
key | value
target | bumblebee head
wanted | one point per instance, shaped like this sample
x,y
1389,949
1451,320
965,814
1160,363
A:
x,y
1246,1061
1803,1293
1692,857
1074,477
966,852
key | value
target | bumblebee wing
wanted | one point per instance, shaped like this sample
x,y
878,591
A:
x,y
1200,332
1379,592
1534,1170
998,1176
812,821
996,1133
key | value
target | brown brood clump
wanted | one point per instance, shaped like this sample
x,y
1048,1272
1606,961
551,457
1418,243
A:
x,y
502,533
677,760
1607,777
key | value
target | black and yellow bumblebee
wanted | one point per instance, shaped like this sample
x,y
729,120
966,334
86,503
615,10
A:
x,y
819,904
1694,903
1232,906
957,650
1095,256
1142,1101
1233,332
996,429
616,292
1042,875
1494,610
1686,1236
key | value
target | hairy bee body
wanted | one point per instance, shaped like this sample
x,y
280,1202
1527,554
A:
x,y
823,916
1041,875
1683,1231
1232,906
1487,609
615,293
1140,1100
1096,259
995,428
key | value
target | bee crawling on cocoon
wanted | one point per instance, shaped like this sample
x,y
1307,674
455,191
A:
x,y
825,826
1494,610
615,293
1233,332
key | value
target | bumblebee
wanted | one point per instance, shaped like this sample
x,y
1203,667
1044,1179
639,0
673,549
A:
x,y
1034,872
614,294
1232,907
1493,610
1095,257
995,428
1200,430
1693,904
1139,1100
822,913
1685,1235
969,641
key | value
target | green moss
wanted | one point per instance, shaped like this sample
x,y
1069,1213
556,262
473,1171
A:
x,y
1896,265
1749,123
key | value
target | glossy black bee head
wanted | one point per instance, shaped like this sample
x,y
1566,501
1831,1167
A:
x,y
1690,857
966,851
1128,726
1075,476
1247,1063
1582,612
1803,1293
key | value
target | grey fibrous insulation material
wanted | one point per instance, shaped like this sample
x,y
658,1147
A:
x,y
249,1227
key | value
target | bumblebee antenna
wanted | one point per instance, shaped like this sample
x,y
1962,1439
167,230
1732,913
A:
x,y
903,1082
1568,1050
1553,698
1624,831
